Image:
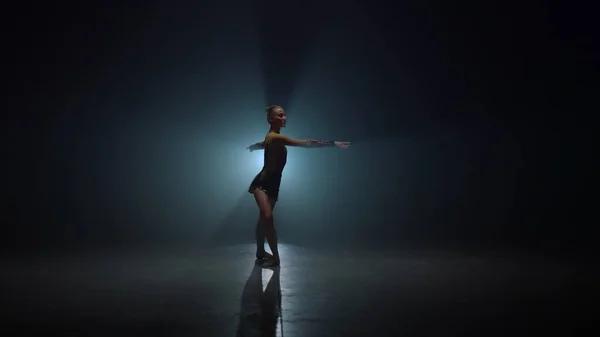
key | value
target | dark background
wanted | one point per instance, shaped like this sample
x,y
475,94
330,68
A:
x,y
125,123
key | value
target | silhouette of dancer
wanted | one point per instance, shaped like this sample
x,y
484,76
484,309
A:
x,y
265,186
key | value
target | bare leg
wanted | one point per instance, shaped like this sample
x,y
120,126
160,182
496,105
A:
x,y
260,236
260,241
268,227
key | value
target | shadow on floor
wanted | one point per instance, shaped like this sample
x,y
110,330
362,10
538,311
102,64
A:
x,y
260,310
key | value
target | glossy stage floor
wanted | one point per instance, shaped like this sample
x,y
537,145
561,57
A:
x,y
220,292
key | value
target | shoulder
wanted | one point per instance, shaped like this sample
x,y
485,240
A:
x,y
277,139
274,136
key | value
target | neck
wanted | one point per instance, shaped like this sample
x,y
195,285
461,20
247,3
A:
x,y
274,129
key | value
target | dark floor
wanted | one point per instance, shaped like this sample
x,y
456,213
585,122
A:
x,y
219,292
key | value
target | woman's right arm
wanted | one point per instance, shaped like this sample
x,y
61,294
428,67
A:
x,y
256,146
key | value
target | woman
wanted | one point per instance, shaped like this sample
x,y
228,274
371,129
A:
x,y
265,186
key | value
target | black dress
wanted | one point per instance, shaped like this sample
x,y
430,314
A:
x,y
269,178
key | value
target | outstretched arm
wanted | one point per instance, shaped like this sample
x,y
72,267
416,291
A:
x,y
322,143
308,143
256,146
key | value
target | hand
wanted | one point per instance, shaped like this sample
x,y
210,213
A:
x,y
253,147
342,145
258,146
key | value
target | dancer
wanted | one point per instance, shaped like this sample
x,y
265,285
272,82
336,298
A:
x,y
265,186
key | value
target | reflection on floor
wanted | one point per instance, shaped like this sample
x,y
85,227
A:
x,y
314,293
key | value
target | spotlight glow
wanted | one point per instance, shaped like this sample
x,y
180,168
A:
x,y
258,160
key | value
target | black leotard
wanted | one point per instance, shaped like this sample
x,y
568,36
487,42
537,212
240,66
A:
x,y
269,178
